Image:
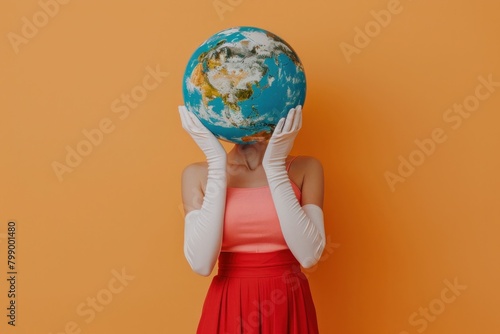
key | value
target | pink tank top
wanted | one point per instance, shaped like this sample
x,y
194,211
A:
x,y
251,222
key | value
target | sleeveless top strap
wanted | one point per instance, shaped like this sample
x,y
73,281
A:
x,y
290,162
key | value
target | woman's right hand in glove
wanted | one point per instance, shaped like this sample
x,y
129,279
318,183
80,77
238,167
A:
x,y
208,143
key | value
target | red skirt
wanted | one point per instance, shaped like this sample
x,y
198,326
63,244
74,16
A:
x,y
261,293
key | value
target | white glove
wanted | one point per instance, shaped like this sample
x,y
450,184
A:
x,y
203,227
302,227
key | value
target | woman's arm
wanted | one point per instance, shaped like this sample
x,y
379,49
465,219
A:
x,y
203,222
302,226
204,219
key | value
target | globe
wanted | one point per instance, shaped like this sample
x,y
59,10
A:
x,y
241,82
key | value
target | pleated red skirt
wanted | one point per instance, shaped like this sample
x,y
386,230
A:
x,y
261,293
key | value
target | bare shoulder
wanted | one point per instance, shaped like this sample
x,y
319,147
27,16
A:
x,y
192,185
308,165
312,173
311,162
195,170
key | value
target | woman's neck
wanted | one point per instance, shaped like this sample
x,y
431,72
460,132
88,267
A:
x,y
247,155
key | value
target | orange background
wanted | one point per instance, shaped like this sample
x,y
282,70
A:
x,y
390,252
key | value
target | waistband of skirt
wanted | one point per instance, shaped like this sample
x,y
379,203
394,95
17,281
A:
x,y
241,264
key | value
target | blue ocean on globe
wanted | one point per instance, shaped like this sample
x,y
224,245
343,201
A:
x,y
241,82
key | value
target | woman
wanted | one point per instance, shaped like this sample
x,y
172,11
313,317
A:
x,y
262,220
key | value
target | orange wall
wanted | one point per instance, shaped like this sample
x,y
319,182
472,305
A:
x,y
396,241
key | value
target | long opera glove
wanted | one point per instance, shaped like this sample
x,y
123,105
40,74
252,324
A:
x,y
302,226
203,228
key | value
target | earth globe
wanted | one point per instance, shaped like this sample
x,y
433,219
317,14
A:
x,y
241,81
